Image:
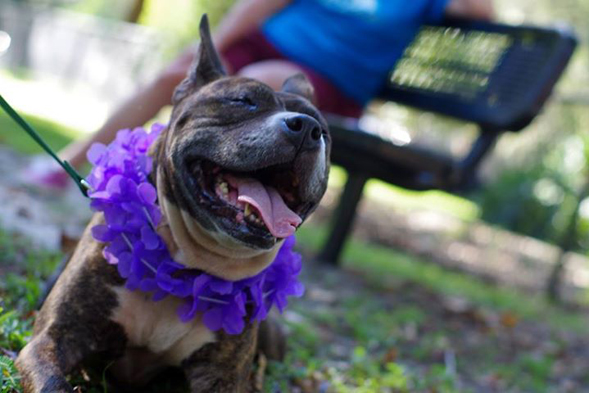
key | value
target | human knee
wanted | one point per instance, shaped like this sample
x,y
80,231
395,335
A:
x,y
254,71
272,73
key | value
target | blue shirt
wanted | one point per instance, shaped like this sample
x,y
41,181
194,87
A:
x,y
353,43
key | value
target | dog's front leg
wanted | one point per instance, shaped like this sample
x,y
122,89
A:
x,y
223,366
43,367
74,321
47,359
59,346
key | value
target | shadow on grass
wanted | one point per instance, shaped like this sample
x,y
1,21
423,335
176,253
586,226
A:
x,y
384,267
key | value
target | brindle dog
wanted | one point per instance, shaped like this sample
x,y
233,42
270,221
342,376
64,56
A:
x,y
221,128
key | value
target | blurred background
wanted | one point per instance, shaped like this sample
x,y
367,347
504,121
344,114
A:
x,y
426,271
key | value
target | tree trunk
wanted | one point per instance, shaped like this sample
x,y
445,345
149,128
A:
x,y
567,243
135,12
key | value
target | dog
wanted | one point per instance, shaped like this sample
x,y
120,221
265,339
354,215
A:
x,y
221,128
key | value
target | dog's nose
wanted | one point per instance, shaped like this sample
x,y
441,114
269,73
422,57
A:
x,y
303,131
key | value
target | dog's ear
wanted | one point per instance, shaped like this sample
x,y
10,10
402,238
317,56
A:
x,y
300,85
205,68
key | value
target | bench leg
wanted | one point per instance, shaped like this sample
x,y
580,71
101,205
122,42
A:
x,y
343,218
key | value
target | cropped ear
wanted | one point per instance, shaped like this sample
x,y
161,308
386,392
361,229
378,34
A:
x,y
299,84
205,68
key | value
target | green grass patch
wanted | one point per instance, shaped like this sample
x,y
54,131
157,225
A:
x,y
56,135
362,317
384,266
23,270
407,200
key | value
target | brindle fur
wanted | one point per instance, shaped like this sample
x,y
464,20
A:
x,y
76,320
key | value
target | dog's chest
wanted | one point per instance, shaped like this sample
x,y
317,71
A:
x,y
156,327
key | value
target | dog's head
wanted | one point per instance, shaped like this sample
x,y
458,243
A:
x,y
241,166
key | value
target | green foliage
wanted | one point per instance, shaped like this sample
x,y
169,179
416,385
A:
x,y
531,372
9,378
56,135
367,375
14,332
539,368
537,201
178,19
407,200
384,266
24,270
24,290
112,9
511,203
439,377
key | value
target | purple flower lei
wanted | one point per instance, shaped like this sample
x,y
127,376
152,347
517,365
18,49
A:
x,y
122,191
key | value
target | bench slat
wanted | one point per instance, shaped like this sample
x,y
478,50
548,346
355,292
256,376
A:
x,y
497,76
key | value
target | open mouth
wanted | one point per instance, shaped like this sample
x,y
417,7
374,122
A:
x,y
261,202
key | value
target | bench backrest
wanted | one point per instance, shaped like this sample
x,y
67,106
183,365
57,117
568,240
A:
x,y
495,75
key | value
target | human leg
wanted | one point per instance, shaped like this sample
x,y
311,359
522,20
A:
x,y
139,108
328,97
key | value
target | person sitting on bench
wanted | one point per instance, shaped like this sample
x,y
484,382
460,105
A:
x,y
345,48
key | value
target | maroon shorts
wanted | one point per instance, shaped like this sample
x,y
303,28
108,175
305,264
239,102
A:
x,y
255,47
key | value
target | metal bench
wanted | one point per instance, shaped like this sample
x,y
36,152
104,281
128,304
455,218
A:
x,y
496,76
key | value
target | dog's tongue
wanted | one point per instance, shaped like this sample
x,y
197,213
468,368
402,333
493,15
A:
x,y
280,220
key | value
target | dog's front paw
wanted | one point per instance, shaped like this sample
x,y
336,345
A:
x,y
54,384
57,384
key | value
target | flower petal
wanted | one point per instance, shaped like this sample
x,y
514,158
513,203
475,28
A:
x,y
221,286
147,193
213,319
96,152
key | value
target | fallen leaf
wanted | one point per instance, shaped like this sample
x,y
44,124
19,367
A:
x,y
509,320
390,356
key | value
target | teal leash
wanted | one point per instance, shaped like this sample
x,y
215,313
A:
x,y
80,181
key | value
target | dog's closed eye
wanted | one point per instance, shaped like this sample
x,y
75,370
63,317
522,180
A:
x,y
244,101
181,122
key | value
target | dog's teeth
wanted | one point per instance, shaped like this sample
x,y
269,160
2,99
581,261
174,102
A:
x,y
252,215
224,187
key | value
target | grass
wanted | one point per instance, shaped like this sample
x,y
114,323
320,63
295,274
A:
x,y
56,135
380,359
382,266
24,270
406,200
372,325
